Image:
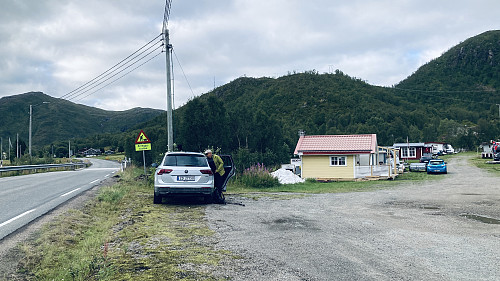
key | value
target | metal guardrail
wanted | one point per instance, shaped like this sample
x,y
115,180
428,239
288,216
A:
x,y
40,167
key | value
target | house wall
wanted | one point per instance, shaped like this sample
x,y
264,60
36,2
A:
x,y
418,154
318,166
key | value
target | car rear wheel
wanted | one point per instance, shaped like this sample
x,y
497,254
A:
x,y
156,198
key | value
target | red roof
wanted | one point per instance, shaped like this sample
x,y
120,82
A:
x,y
342,144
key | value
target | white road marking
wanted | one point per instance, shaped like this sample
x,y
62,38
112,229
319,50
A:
x,y
68,193
92,182
15,218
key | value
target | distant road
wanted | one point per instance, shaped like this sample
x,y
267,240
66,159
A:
x,y
25,198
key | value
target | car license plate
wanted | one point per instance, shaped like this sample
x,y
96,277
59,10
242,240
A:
x,y
185,178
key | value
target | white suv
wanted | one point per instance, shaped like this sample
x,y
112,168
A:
x,y
188,173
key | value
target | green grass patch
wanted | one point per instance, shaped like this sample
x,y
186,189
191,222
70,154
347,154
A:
x,y
312,186
122,235
112,157
476,160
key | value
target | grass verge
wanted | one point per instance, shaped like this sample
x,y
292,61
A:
x,y
121,235
479,162
313,187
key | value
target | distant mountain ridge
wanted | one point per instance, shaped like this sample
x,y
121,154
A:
x,y
56,119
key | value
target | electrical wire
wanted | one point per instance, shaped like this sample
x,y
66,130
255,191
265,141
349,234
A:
x,y
111,72
121,76
183,73
115,74
429,94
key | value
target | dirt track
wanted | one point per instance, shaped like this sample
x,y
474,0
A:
x,y
415,231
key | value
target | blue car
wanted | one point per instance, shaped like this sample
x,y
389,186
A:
x,y
436,166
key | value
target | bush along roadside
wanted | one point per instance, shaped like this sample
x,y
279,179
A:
x,y
122,235
258,176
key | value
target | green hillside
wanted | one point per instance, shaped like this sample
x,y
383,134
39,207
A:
x,y
450,99
61,120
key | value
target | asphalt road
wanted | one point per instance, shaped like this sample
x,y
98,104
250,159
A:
x,y
25,198
416,231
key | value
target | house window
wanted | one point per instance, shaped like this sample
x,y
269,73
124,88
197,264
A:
x,y
408,152
338,161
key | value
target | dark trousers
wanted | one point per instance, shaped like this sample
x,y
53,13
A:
x,y
218,180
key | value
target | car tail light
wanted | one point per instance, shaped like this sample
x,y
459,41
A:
x,y
164,171
206,172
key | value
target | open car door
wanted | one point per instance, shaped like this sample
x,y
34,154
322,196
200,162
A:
x,y
229,169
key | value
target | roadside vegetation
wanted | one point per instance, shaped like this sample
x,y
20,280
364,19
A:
x,y
257,179
479,162
112,157
121,235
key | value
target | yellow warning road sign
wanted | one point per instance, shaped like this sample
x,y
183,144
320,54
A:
x,y
142,146
142,138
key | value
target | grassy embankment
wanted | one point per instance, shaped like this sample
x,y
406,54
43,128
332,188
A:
x,y
477,161
121,235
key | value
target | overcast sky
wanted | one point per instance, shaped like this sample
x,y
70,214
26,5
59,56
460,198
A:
x,y
55,46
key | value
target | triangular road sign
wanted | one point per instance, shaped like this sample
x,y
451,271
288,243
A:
x,y
142,138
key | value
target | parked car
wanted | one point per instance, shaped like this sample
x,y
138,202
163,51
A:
x,y
437,166
188,174
425,159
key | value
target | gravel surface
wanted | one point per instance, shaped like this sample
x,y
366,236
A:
x,y
415,231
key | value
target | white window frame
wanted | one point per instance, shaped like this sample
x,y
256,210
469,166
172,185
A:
x,y
337,157
408,152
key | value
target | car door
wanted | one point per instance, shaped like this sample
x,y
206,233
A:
x,y
228,168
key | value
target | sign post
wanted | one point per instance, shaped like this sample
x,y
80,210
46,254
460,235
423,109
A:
x,y
142,143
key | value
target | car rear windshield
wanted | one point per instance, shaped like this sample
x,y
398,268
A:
x,y
191,160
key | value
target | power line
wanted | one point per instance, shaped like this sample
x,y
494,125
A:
x,y
121,76
185,77
445,91
429,93
115,74
111,72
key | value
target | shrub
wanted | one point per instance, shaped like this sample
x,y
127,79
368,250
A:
x,y
258,176
311,180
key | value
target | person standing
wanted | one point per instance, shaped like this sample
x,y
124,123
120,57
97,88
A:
x,y
217,166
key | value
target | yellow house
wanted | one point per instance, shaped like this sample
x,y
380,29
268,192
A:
x,y
335,156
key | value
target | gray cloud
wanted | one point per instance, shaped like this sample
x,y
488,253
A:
x,y
56,46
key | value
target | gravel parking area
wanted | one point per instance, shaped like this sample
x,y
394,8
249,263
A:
x,y
446,229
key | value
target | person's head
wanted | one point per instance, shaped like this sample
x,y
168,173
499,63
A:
x,y
208,153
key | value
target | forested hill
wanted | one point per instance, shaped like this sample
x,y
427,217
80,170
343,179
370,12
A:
x,y
473,65
467,77
60,120
450,99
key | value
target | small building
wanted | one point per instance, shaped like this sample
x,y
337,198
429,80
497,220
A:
x,y
437,147
413,150
336,156
91,152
